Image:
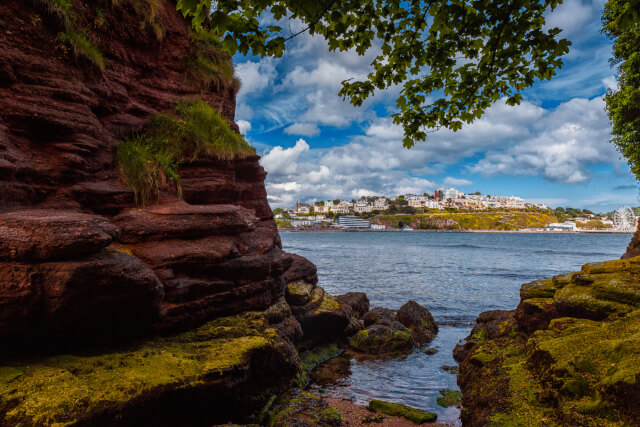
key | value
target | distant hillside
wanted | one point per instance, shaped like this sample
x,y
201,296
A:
x,y
513,220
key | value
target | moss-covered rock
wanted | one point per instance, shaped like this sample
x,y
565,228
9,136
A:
x,y
199,376
321,316
301,409
449,398
419,321
580,366
299,293
379,339
418,416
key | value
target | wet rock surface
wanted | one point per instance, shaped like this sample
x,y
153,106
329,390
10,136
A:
x,y
568,355
386,331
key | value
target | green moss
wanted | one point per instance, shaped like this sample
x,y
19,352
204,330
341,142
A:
x,y
210,68
302,408
63,388
381,341
543,288
311,359
481,359
449,398
300,289
418,416
152,159
573,370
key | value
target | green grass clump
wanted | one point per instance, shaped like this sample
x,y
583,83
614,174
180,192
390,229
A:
x,y
210,67
71,38
418,416
150,161
147,11
59,10
81,47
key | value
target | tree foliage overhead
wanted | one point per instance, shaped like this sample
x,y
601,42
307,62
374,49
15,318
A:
x,y
622,24
453,58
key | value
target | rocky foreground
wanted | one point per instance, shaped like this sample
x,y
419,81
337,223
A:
x,y
568,355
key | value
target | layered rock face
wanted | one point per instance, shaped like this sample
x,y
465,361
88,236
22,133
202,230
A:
x,y
569,355
73,246
174,312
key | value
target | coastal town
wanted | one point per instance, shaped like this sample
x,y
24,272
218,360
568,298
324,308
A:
x,y
447,209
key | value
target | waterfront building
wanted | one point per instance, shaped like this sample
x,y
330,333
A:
x,y
351,222
564,226
378,227
321,209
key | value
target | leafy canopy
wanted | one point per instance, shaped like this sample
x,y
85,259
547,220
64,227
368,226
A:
x,y
621,22
453,58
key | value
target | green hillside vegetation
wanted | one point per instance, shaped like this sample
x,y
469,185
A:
x,y
151,160
512,220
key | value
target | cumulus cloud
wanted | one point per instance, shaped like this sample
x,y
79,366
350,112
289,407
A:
x,y
303,129
558,144
244,126
562,144
256,76
284,161
456,182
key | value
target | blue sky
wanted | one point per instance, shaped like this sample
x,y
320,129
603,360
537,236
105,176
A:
x,y
553,148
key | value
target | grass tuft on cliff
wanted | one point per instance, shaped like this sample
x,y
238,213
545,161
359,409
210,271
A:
x,y
150,161
147,11
211,68
71,38
82,48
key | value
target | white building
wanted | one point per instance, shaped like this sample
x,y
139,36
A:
x,y
449,193
380,204
415,203
378,227
432,204
302,208
362,206
564,226
351,222
321,209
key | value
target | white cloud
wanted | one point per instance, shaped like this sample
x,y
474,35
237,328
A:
x,y
571,16
562,144
456,182
303,129
610,83
244,126
256,76
280,161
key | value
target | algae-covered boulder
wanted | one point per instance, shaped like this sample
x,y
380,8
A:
x,y
301,409
321,316
379,316
194,378
380,339
357,303
416,415
569,355
419,322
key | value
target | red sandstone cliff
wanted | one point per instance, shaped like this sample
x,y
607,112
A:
x,y
77,260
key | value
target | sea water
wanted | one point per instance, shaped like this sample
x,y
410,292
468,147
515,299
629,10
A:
x,y
454,275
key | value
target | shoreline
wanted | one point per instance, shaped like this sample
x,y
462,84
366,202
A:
x,y
536,231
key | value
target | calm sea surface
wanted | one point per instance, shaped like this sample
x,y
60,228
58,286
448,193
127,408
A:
x,y
455,275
